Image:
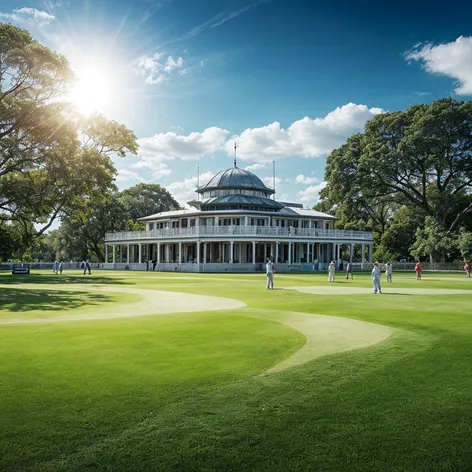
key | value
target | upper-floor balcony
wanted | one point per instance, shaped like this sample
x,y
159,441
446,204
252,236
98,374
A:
x,y
239,232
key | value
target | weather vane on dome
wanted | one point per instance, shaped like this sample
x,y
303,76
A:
x,y
235,147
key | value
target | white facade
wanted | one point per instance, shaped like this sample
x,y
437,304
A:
x,y
233,229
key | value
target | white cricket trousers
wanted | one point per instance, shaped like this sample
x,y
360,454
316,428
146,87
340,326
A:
x,y
270,280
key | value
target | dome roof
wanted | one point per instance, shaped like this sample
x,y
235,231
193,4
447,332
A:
x,y
235,178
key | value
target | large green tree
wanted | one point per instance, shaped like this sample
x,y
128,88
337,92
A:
x,y
420,158
53,162
82,235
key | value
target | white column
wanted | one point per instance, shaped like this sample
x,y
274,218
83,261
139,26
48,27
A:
x,y
289,252
363,255
231,246
167,251
180,253
158,253
205,252
276,252
139,253
254,252
198,252
106,253
245,221
114,247
371,250
216,221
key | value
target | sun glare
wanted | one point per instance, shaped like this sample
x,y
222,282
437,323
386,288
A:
x,y
91,92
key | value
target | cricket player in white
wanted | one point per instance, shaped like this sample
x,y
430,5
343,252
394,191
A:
x,y
270,274
376,278
331,270
388,271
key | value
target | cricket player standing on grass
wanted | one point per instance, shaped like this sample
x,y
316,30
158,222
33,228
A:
x,y
418,270
376,278
388,271
349,271
331,270
467,268
270,269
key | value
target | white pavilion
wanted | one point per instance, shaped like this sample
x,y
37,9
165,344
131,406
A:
x,y
233,225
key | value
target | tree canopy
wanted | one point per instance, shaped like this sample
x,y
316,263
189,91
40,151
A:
x,y
81,236
53,161
419,159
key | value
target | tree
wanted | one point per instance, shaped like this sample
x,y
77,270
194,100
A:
x,y
434,242
399,235
147,199
348,193
464,243
53,162
82,235
420,159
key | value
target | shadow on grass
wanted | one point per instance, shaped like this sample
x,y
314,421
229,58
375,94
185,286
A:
x,y
45,279
16,300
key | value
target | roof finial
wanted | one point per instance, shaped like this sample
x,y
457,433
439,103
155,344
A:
x,y
235,148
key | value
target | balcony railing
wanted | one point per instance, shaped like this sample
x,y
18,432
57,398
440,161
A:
x,y
238,231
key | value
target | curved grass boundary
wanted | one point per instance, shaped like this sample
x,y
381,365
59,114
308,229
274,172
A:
x,y
324,335
153,302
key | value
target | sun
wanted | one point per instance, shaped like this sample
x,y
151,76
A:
x,y
91,91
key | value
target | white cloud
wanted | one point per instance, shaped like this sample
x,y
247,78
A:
x,y
156,68
269,181
172,64
450,59
29,16
184,191
125,175
158,168
166,146
311,194
306,137
255,167
301,179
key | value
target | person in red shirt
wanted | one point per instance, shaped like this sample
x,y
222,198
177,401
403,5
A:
x,y
467,268
418,270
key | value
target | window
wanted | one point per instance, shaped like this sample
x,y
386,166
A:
x,y
150,226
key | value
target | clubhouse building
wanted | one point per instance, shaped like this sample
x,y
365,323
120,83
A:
x,y
232,226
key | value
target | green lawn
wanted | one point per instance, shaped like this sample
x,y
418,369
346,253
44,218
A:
x,y
189,392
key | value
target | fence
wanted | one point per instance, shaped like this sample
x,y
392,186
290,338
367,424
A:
x,y
304,267
7,266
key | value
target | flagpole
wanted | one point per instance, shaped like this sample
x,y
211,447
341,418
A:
x,y
273,163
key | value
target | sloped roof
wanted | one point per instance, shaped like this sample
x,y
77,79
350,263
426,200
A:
x,y
242,200
290,211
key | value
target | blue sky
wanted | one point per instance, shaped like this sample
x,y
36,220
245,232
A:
x,y
287,80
